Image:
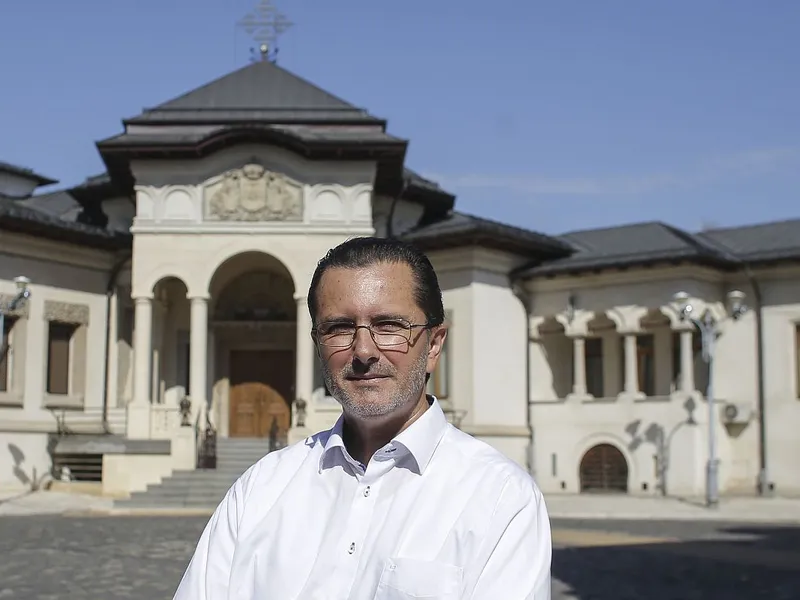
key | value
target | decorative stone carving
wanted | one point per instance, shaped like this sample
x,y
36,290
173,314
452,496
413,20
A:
x,y
20,312
254,194
64,312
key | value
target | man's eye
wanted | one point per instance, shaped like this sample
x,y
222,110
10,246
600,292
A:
x,y
389,326
336,329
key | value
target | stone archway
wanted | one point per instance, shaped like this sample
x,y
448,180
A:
x,y
169,370
604,469
253,323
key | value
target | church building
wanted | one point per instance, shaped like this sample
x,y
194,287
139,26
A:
x,y
155,316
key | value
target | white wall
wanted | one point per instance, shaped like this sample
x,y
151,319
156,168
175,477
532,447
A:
x,y
562,426
59,273
487,345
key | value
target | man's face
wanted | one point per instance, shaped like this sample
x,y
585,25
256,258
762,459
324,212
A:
x,y
370,379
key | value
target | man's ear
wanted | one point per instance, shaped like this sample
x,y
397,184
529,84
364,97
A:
x,y
435,344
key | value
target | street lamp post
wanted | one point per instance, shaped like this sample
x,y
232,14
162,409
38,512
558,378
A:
x,y
708,327
23,293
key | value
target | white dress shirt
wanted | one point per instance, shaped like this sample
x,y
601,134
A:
x,y
435,514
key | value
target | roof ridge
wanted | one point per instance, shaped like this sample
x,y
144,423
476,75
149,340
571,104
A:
x,y
267,67
700,244
610,227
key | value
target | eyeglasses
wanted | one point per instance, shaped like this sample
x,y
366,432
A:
x,y
394,332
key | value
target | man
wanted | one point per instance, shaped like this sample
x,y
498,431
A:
x,y
393,502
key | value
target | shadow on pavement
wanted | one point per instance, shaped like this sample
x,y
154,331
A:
x,y
733,563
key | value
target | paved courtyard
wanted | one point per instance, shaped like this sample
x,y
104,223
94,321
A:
x,y
65,558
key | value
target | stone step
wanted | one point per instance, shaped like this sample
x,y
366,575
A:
x,y
202,488
211,475
243,443
240,456
233,466
130,504
210,497
173,488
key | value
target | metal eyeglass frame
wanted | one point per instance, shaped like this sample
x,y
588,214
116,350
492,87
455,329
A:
x,y
408,328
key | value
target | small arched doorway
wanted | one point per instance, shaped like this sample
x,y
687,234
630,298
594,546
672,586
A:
x,y
604,469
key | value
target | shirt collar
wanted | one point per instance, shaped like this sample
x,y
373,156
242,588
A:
x,y
420,439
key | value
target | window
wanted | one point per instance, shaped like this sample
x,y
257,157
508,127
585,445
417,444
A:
x,y
6,358
439,383
594,367
59,357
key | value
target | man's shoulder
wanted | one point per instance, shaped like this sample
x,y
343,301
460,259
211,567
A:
x,y
488,461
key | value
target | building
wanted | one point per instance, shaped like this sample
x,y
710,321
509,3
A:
x,y
168,309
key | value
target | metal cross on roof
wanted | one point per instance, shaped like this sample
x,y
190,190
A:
x,y
265,25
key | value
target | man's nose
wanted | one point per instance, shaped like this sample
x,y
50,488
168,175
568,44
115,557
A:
x,y
364,348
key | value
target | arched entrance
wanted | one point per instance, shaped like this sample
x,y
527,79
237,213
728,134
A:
x,y
170,341
604,469
254,323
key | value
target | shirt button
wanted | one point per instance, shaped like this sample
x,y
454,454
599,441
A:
x,y
366,491
352,548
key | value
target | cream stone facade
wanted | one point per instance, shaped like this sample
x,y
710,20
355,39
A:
x,y
168,310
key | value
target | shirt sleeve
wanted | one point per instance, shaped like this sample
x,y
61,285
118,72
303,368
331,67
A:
x,y
517,554
208,575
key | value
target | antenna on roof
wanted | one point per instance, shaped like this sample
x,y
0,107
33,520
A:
x,y
265,25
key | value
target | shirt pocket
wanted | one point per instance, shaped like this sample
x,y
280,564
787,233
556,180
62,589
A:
x,y
407,578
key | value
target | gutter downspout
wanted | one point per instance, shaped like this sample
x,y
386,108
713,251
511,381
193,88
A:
x,y
110,289
524,297
763,486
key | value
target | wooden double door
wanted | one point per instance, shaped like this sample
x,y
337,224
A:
x,y
261,389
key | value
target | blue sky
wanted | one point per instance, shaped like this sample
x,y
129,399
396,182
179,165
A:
x,y
556,115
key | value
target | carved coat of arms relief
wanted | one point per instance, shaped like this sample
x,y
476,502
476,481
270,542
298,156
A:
x,y
254,194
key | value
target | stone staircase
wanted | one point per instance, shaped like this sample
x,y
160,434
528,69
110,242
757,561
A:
x,y
201,488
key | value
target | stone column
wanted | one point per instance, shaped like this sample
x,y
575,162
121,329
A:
x,y
198,353
687,361
138,424
579,366
304,355
631,370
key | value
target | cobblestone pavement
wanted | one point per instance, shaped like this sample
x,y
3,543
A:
x,y
125,558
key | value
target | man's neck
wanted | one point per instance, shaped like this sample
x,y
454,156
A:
x,y
363,438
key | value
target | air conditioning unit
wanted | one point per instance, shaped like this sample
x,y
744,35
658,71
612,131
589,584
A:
x,y
734,413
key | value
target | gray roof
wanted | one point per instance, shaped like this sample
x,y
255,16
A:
x,y
779,240
26,173
460,229
16,217
260,91
631,245
58,204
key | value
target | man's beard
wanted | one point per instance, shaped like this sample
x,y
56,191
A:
x,y
408,390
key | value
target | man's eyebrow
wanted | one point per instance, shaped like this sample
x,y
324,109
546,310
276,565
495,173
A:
x,y
337,319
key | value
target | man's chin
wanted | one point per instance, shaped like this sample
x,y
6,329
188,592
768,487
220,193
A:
x,y
367,402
